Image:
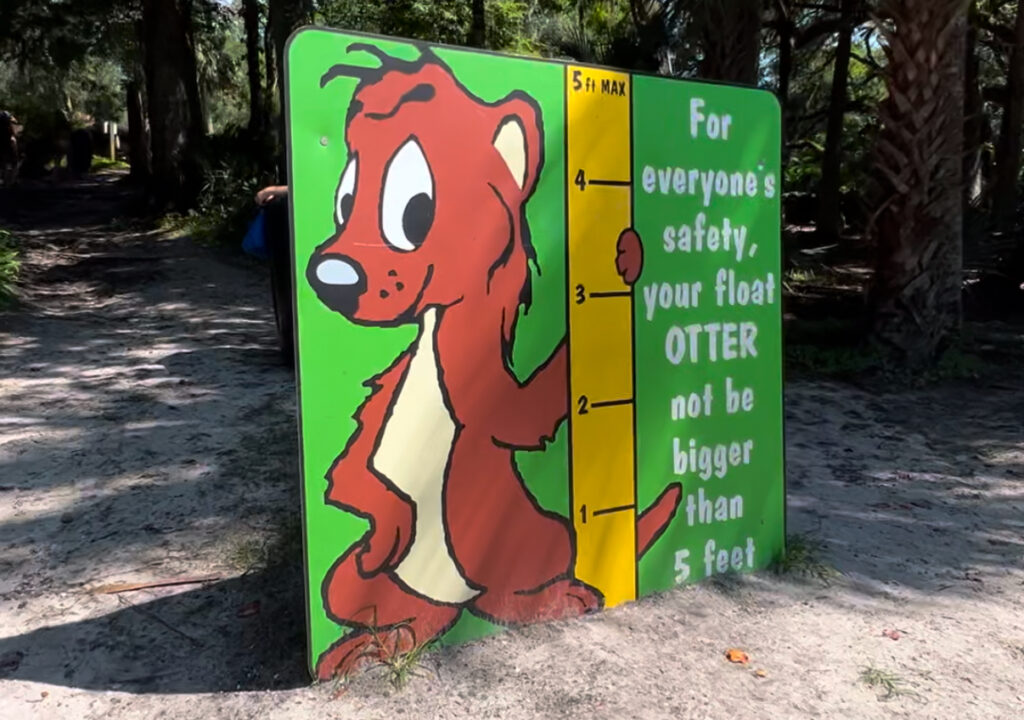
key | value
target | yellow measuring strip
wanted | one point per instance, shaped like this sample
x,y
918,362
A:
x,y
601,426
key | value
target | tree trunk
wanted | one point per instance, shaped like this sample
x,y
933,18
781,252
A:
x,y
269,60
1004,195
138,137
251,15
786,37
478,29
730,39
285,16
830,218
197,111
784,69
916,290
175,111
974,117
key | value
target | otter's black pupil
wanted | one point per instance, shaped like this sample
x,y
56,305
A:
x,y
346,205
417,218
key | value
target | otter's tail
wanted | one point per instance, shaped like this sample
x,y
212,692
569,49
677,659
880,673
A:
x,y
655,519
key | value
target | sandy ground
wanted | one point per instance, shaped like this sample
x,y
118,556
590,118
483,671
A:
x,y
147,433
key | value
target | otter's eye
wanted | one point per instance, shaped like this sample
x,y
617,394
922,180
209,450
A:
x,y
346,195
407,205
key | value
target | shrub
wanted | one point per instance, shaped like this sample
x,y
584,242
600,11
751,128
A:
x,y
234,167
9,267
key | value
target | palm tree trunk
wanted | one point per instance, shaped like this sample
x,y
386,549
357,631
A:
x,y
916,291
974,116
138,137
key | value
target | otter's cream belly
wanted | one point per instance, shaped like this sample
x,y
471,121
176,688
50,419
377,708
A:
x,y
413,453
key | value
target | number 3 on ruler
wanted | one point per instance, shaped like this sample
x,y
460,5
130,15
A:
x,y
581,295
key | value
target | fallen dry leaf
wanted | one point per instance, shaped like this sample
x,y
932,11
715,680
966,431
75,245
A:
x,y
734,655
760,673
249,609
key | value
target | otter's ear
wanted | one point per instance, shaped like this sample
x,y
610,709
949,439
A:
x,y
510,142
518,141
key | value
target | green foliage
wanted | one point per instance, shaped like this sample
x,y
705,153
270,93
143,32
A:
x,y
10,267
830,347
838,362
99,164
865,360
506,27
53,34
954,364
351,15
220,60
525,27
88,90
234,168
444,21
65,64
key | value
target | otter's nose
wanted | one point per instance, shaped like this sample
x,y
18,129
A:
x,y
338,281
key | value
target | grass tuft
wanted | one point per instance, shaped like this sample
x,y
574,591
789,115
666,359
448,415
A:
x,y
804,276
804,558
889,685
401,667
248,554
100,163
384,653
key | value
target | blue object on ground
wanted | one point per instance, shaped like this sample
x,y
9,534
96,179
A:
x,y
255,242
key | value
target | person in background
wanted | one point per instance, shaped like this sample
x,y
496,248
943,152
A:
x,y
271,193
273,203
8,149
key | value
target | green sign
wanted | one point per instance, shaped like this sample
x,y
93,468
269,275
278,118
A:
x,y
539,338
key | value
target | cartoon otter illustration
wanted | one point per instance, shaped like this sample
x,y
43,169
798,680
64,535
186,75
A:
x,y
432,230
